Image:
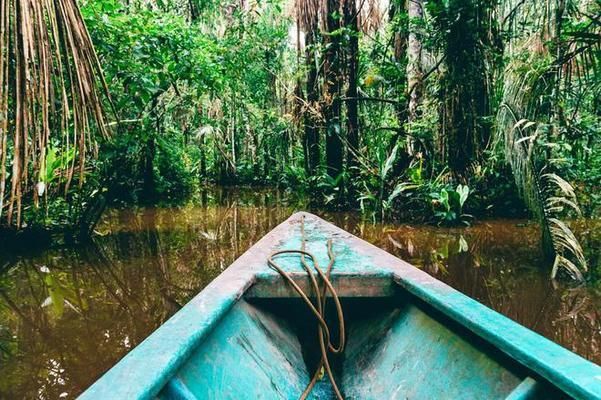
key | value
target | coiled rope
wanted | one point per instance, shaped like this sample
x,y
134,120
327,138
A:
x,y
318,310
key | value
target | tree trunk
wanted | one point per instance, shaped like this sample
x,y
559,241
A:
x,y
194,12
400,49
203,158
465,89
334,149
559,50
415,10
311,140
148,174
148,183
352,112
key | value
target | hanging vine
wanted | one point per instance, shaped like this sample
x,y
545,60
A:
x,y
51,96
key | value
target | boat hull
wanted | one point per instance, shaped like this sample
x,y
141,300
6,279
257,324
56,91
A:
x,y
248,336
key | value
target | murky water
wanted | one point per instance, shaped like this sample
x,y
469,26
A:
x,y
68,314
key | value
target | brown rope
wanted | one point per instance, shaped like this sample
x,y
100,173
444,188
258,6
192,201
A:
x,y
325,343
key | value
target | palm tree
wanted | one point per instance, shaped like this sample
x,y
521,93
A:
x,y
531,114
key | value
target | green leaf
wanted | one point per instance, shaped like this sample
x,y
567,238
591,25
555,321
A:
x,y
388,164
464,192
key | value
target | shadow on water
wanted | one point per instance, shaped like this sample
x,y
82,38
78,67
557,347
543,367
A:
x,y
68,314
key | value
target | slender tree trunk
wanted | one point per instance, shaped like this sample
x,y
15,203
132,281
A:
x,y
311,140
4,88
352,112
299,97
559,50
148,184
334,146
234,139
415,10
194,14
203,158
400,49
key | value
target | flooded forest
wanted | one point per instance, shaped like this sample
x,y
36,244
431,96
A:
x,y
145,145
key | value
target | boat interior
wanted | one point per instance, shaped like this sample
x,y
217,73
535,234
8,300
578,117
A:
x,y
398,347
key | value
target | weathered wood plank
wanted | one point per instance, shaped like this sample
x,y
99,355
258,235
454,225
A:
x,y
251,353
528,389
351,285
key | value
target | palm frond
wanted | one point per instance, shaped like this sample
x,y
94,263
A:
x,y
565,245
546,194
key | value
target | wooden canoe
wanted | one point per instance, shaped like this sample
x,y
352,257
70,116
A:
x,y
409,336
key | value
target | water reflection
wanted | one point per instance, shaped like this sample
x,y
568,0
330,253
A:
x,y
68,314
498,263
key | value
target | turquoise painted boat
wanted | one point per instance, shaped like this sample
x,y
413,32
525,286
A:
x,y
247,335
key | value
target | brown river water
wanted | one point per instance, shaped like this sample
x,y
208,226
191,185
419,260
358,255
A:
x,y
68,314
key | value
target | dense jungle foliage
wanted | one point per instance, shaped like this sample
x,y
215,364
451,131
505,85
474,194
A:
x,y
437,111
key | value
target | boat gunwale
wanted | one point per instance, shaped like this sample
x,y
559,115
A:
x,y
167,348
170,345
